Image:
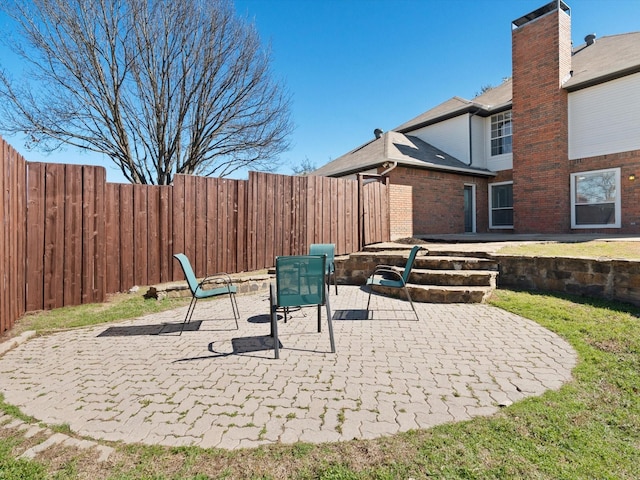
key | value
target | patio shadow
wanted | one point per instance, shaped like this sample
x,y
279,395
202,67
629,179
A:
x,y
239,345
351,314
156,329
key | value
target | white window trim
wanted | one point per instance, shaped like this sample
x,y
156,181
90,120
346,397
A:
x,y
491,138
498,227
618,202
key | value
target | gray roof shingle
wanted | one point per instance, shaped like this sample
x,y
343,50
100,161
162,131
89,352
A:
x,y
609,57
406,150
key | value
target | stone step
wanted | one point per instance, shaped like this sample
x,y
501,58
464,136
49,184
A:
x,y
437,276
472,278
441,262
389,247
460,253
439,293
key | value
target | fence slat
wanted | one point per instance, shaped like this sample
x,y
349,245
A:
x,y
140,234
54,236
127,268
165,236
112,237
242,240
73,229
153,235
178,220
35,236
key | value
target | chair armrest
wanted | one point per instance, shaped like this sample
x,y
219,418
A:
x,y
218,278
386,269
382,269
383,266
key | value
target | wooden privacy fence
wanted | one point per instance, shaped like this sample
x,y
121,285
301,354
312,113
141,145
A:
x,y
232,226
70,237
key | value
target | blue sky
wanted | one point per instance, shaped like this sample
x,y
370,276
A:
x,y
355,65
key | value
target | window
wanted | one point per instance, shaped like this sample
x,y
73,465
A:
x,y
595,199
501,205
501,134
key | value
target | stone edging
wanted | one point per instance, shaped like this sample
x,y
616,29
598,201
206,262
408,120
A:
x,y
245,284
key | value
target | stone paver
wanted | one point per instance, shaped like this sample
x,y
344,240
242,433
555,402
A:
x,y
215,386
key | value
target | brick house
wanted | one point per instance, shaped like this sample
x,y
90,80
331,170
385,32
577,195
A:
x,y
554,149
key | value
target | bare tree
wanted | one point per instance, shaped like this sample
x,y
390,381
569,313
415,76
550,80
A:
x,y
305,168
161,87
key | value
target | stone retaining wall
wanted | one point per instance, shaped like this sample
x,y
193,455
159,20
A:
x,y
244,283
605,278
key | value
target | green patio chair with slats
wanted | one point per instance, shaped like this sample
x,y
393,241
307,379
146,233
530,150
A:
x,y
300,282
388,276
222,285
328,249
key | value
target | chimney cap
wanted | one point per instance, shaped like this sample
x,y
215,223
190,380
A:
x,y
550,7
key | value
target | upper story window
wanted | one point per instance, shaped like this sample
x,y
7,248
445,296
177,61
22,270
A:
x,y
595,199
501,132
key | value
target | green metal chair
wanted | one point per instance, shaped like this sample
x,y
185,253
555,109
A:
x,y
328,249
388,276
198,291
300,282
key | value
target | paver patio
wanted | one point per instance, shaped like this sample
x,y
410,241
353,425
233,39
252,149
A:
x,y
215,386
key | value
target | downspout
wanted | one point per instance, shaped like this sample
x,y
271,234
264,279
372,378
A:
x,y
472,114
388,168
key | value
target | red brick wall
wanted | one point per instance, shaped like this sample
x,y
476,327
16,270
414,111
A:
x,y
428,202
541,53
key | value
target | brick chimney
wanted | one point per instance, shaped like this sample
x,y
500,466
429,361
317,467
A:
x,y
541,59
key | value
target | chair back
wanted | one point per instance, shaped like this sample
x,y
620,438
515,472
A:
x,y
300,280
188,272
409,265
328,249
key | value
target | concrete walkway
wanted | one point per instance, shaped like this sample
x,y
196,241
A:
x,y
215,386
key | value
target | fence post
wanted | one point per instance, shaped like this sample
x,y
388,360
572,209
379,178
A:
x,y
360,211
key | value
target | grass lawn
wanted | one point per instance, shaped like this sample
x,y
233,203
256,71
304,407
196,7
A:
x,y
590,428
593,249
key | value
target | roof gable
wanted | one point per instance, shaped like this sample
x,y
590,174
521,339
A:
x,y
607,58
396,147
493,100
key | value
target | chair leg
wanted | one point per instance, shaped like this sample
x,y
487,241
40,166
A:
x,y
330,325
274,322
411,302
234,307
370,290
187,318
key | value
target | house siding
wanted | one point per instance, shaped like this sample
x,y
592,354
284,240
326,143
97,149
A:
x,y
451,136
479,142
603,119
